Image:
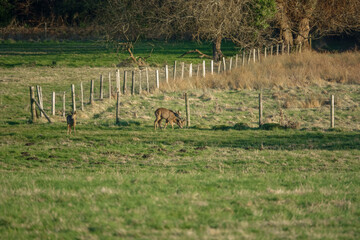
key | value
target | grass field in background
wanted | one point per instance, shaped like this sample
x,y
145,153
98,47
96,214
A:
x,y
210,181
98,54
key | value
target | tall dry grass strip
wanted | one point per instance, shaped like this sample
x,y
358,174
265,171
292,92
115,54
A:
x,y
32,104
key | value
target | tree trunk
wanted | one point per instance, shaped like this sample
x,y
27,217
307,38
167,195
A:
x,y
217,54
285,29
304,30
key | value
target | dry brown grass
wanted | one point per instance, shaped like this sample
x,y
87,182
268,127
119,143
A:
x,y
297,70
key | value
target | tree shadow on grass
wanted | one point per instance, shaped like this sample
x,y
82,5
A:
x,y
272,138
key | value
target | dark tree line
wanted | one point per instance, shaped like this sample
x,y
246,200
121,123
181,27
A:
x,y
245,22
33,13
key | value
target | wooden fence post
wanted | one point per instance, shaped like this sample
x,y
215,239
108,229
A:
x,y
174,73
42,110
259,54
147,80
236,60
198,70
187,106
203,69
224,60
277,49
117,106
118,80
92,92
260,109
190,70
157,79
64,105
40,98
132,82
212,67
124,84
219,67
282,48
332,112
243,57
167,73
73,97
230,63
254,55
101,87
32,104
82,96
140,87
110,86
53,104
265,52
249,58
182,70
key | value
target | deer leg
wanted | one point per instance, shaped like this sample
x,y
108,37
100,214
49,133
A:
x,y
157,122
167,122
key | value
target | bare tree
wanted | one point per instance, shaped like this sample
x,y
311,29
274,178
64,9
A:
x,y
242,21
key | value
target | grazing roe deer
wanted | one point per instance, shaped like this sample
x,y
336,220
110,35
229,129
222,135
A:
x,y
170,117
71,122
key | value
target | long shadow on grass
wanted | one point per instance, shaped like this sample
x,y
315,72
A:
x,y
278,139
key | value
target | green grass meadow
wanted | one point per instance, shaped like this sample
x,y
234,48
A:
x,y
209,181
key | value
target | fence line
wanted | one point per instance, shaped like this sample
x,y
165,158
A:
x,y
154,78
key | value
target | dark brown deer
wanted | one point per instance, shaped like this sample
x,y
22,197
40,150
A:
x,y
71,122
170,117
